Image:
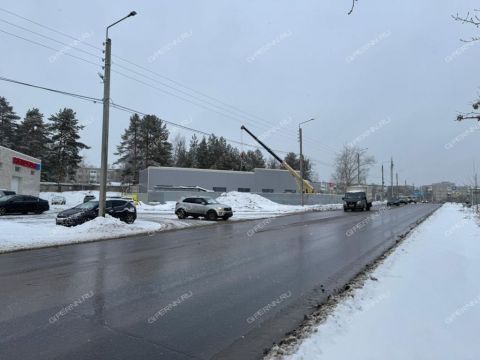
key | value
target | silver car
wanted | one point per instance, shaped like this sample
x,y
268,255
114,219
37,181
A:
x,y
203,206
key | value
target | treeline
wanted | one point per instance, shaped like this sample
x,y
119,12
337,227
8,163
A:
x,y
55,141
145,143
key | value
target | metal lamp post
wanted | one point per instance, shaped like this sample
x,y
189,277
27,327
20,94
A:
x,y
106,114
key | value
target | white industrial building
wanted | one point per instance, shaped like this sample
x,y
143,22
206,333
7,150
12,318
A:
x,y
19,172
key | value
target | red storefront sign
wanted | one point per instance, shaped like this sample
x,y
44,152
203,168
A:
x,y
25,163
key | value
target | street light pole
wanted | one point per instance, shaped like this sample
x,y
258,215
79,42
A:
x,y
106,116
358,164
300,139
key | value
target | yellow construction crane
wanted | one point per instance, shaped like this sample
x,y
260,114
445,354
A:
x,y
307,187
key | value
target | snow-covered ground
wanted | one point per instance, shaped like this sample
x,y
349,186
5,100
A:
x,y
244,205
422,302
33,231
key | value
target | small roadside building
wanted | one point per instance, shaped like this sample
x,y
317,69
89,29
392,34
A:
x,y
257,181
19,172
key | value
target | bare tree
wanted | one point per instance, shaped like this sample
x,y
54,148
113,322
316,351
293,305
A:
x,y
471,19
346,166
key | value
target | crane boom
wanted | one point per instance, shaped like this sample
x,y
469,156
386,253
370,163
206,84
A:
x,y
307,187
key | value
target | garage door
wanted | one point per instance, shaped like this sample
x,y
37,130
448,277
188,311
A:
x,y
15,185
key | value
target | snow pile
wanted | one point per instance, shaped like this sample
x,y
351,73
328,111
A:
x,y
241,201
243,205
423,302
31,232
168,207
246,202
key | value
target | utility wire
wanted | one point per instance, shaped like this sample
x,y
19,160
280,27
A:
x,y
49,47
78,96
322,147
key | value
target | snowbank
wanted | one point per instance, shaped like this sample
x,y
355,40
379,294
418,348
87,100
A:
x,y
244,204
31,232
423,302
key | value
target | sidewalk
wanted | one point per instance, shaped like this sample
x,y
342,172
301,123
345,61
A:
x,y
423,302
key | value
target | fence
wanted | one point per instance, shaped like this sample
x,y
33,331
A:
x,y
285,199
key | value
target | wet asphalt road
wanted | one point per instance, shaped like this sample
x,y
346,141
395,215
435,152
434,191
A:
x,y
197,293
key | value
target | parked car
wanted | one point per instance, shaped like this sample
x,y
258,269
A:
x,y
88,197
4,192
22,204
393,202
202,206
118,208
58,200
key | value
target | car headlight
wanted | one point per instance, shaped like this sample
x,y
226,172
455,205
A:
x,y
359,202
219,208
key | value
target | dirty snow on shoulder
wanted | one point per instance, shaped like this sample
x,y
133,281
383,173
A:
x,y
423,302
33,231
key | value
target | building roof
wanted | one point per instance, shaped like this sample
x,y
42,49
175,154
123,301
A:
x,y
19,153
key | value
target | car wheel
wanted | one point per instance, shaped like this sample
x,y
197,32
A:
x,y
181,214
129,219
211,215
3,211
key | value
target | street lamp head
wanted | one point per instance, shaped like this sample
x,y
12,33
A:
x,y
133,13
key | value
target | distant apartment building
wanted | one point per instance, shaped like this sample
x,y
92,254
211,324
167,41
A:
x,y
19,172
91,175
442,191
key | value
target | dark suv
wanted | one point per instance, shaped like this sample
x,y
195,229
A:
x,y
118,208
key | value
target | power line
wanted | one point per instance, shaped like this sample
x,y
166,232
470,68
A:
x,y
123,108
322,147
78,96
49,47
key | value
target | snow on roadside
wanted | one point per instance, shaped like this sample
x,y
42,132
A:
x,y
31,232
423,302
244,205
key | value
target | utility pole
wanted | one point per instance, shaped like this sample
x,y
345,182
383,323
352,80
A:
x,y
300,139
383,185
396,175
106,115
301,162
358,165
358,168
475,198
105,126
391,178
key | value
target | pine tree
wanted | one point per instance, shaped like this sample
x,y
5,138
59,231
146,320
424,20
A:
x,y
130,159
8,124
253,159
64,155
294,161
32,135
155,149
192,152
204,160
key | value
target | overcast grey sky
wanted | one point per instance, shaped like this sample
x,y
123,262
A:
x,y
392,75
